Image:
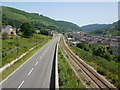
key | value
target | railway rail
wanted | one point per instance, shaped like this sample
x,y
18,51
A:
x,y
94,76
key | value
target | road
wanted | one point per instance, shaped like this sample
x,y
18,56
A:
x,y
37,72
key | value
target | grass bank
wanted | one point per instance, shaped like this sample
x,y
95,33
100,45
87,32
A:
x,y
24,45
109,69
12,68
67,77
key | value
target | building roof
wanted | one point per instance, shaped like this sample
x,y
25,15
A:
x,y
7,26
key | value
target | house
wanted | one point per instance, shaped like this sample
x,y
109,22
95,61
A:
x,y
69,39
74,43
8,29
53,32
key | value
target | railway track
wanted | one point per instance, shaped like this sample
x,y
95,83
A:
x,y
94,76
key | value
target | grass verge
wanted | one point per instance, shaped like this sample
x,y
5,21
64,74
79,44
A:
x,y
24,45
67,77
12,68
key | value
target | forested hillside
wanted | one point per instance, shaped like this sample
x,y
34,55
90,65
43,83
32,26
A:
x,y
109,29
16,17
93,27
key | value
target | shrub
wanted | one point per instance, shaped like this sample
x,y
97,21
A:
x,y
99,50
101,71
83,46
107,56
5,36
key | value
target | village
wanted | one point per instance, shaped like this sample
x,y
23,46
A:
x,y
111,42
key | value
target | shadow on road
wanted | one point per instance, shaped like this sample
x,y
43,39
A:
x,y
52,79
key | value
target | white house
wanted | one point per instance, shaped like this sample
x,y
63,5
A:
x,y
8,29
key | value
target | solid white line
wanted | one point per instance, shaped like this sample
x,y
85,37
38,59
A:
x,y
30,71
36,63
21,84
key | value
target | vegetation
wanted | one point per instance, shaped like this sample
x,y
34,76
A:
x,y
108,68
15,17
106,29
67,78
17,46
4,35
83,46
102,51
44,32
27,29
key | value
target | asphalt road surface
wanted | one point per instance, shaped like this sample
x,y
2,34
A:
x,y
37,71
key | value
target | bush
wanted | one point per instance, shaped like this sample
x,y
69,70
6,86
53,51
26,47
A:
x,y
107,56
5,36
83,46
101,71
99,50
44,32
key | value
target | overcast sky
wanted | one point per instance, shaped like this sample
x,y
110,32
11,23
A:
x,y
80,13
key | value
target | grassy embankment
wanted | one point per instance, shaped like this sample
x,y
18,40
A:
x,y
26,42
67,77
109,69
24,45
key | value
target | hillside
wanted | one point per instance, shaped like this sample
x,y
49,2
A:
x,y
93,27
109,29
16,17
68,25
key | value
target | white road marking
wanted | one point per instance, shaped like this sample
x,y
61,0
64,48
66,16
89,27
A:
x,y
43,54
40,57
45,51
30,71
21,84
36,63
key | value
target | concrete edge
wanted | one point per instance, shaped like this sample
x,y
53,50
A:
x,y
56,67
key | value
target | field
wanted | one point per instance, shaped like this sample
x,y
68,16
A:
x,y
109,69
13,48
67,78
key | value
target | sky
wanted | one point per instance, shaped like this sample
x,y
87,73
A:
x,y
80,13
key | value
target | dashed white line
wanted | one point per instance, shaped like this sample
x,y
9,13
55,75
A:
x,y
30,71
40,57
21,84
36,63
43,53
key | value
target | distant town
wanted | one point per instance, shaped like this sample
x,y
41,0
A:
x,y
111,42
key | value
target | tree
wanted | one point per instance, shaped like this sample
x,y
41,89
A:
x,y
44,32
27,29
99,50
83,46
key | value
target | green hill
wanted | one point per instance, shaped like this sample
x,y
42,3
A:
x,y
16,17
109,29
